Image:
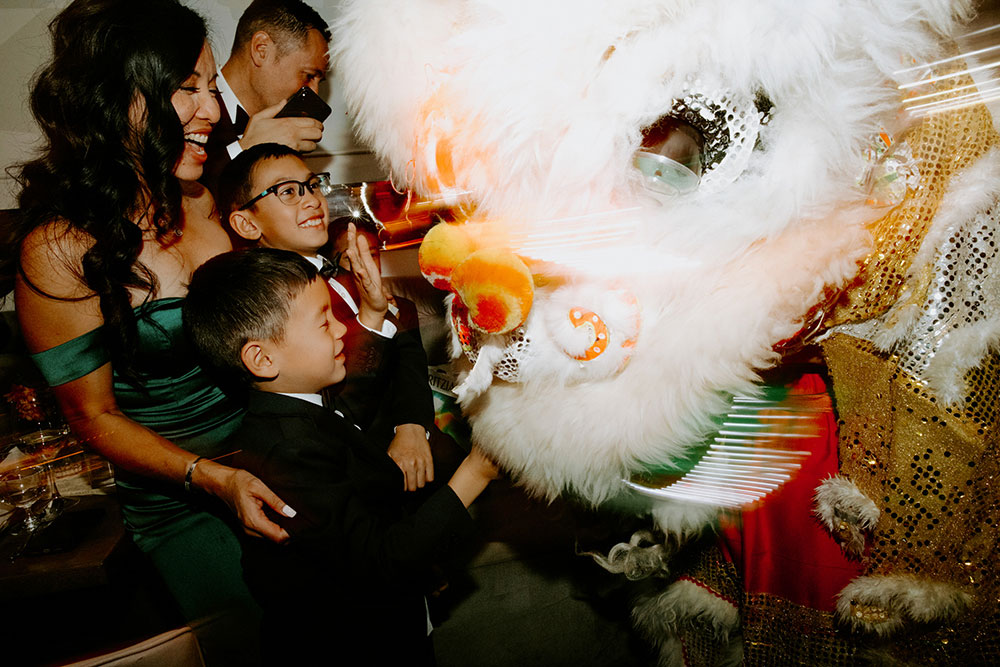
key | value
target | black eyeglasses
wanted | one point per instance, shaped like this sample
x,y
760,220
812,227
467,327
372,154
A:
x,y
290,192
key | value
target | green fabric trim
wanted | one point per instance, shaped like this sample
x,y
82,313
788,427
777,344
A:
x,y
73,359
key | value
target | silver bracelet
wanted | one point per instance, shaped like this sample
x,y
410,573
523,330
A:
x,y
189,472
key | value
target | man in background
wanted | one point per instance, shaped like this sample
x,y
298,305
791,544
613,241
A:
x,y
279,47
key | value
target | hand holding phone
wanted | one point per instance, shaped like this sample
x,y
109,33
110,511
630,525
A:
x,y
297,123
305,103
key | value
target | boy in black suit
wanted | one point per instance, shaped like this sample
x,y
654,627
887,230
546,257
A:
x,y
347,583
269,197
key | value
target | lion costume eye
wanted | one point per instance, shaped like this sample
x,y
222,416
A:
x,y
703,143
670,158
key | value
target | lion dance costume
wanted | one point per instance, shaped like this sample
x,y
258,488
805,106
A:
x,y
656,201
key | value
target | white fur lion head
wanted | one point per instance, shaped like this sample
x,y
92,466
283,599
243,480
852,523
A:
x,y
540,119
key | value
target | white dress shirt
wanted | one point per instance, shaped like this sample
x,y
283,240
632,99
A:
x,y
231,103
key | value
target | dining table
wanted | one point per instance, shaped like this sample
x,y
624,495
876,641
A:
x,y
76,585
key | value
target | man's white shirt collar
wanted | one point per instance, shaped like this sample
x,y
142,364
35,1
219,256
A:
x,y
231,103
228,96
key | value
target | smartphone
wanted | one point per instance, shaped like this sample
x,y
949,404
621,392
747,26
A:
x,y
305,104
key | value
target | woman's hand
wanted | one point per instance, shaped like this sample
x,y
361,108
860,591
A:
x,y
246,496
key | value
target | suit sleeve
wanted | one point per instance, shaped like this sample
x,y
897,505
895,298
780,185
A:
x,y
337,520
411,400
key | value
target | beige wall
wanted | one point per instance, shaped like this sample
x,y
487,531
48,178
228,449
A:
x,y
24,47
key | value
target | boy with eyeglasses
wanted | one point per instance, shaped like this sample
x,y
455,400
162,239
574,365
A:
x,y
270,198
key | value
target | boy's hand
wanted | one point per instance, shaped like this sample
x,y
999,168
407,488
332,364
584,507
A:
x,y
371,310
474,474
412,453
299,134
485,466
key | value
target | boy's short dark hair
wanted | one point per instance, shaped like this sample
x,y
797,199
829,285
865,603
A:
x,y
286,21
236,180
241,296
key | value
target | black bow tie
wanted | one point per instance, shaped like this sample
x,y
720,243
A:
x,y
328,269
240,124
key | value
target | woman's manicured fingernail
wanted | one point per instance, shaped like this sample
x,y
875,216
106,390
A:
x,y
288,511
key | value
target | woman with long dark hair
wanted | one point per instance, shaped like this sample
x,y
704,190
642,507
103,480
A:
x,y
114,224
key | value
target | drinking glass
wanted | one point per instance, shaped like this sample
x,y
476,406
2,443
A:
x,y
42,432
43,446
23,487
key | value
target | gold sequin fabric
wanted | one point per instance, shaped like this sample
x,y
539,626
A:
x,y
775,631
951,301
918,433
933,470
779,632
917,398
942,145
714,573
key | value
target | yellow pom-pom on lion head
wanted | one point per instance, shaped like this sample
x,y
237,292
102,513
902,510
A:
x,y
496,287
494,284
444,247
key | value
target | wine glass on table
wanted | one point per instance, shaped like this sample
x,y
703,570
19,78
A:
x,y
42,433
23,487
43,446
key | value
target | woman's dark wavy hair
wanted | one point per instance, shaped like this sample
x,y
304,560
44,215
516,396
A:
x,y
97,171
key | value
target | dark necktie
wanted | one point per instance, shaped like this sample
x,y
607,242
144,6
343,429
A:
x,y
240,124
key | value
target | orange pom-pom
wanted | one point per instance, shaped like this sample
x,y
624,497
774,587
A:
x,y
496,287
444,247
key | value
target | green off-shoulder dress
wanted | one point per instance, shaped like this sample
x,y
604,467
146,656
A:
x,y
189,536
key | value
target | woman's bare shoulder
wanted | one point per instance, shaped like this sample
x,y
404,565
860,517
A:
x,y
51,259
53,302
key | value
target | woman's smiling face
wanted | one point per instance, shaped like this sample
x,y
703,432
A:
x,y
197,108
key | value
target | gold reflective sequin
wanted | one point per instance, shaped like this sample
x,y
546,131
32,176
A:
x,y
932,466
917,435
942,145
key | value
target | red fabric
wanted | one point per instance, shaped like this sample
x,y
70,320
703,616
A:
x,y
780,547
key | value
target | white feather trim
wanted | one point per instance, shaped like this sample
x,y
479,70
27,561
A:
x,y
685,604
562,138
701,334
846,512
641,557
967,347
972,192
884,605
480,377
684,519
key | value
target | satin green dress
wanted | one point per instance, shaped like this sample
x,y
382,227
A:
x,y
190,537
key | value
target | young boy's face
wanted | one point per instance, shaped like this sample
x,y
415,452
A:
x,y
310,356
299,227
